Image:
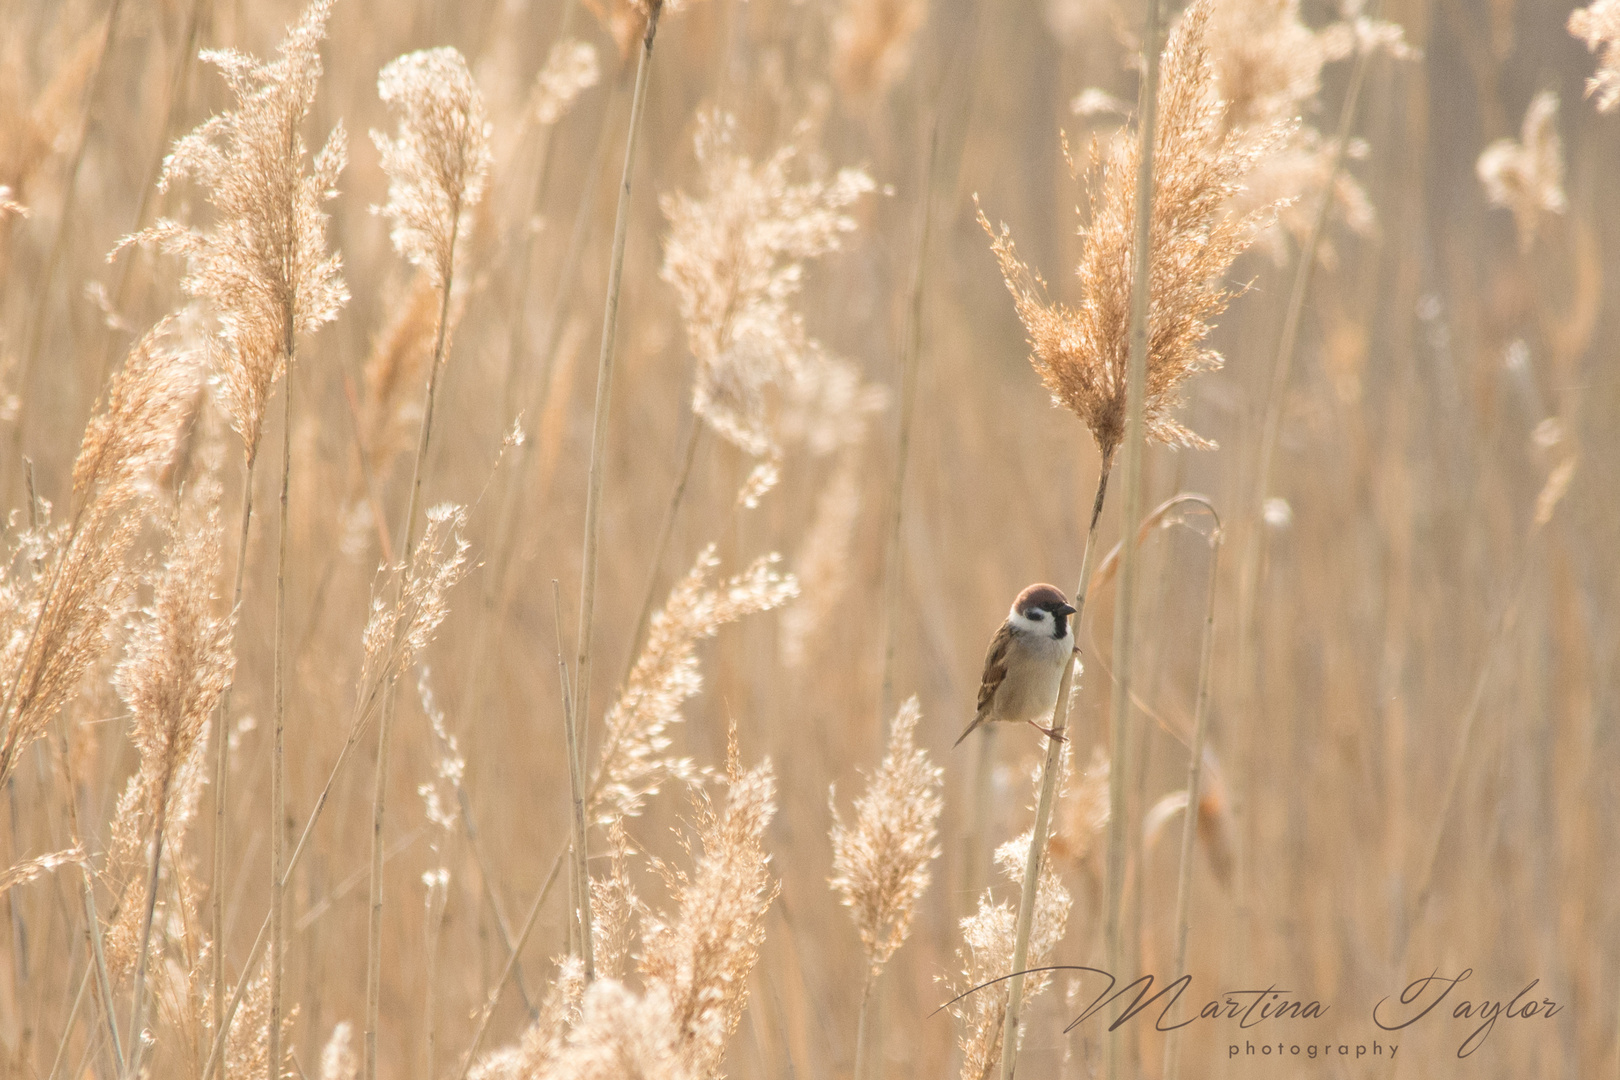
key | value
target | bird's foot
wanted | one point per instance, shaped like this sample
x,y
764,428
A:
x,y
1050,733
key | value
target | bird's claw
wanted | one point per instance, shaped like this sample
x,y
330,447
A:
x,y
1050,733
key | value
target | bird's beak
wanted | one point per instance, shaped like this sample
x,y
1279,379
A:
x,y
1065,609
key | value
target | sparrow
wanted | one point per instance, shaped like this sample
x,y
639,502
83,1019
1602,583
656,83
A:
x,y
1024,666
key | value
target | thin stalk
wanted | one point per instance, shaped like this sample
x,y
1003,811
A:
x,y
138,1007
278,792
576,791
1195,775
861,1026
506,972
1253,529
363,711
98,959
909,359
1043,806
385,731
604,376
222,755
665,531
67,1028
1135,445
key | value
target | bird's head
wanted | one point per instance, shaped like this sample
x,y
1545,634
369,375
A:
x,y
1042,609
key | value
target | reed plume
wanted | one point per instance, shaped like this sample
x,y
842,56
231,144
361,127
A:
x,y
881,862
986,955
1527,176
1598,28
1080,352
697,955
262,266
735,255
437,169
571,68
176,665
263,269
634,761
64,598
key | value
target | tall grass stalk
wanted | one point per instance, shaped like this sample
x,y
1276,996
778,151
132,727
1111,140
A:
x,y
222,756
576,793
604,377
1195,775
1043,806
1253,530
278,793
910,358
1134,446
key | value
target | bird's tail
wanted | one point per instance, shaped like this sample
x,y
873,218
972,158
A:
x,y
977,720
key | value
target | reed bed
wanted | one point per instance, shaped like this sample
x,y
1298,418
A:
x,y
309,772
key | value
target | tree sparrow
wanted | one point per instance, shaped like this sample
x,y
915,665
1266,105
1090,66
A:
x,y
1024,666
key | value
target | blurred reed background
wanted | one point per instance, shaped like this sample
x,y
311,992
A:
x,y
1411,730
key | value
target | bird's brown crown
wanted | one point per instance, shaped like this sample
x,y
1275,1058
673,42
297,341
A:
x,y
1040,597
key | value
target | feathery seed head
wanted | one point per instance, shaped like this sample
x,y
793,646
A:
x,y
735,256
571,69
881,861
1081,353
1598,27
263,263
1527,176
438,164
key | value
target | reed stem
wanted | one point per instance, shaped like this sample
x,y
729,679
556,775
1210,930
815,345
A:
x,y
576,791
604,377
138,1007
222,755
1195,774
910,357
1043,806
407,546
1135,444
278,793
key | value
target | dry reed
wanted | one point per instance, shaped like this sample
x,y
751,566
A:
x,y
1598,27
1527,176
881,860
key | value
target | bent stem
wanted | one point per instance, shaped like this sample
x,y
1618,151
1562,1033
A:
x,y
1043,806
1195,775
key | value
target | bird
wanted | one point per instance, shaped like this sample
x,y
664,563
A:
x,y
1024,665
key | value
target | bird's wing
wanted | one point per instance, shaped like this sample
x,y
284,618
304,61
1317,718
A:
x,y
995,671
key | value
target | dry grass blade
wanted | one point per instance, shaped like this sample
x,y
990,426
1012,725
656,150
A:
x,y
23,872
